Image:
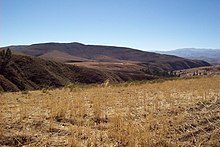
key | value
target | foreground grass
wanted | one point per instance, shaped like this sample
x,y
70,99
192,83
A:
x,y
171,113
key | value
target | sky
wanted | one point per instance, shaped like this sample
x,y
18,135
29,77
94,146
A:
x,y
140,24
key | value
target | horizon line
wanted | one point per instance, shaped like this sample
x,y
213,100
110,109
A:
x,y
110,45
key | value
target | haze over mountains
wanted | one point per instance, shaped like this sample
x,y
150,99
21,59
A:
x,y
209,55
76,62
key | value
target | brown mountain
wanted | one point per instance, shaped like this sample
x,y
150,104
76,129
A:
x,y
75,52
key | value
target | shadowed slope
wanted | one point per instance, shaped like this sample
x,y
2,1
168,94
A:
x,y
26,73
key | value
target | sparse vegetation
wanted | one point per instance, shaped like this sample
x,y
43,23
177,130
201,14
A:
x,y
160,73
170,113
5,56
200,71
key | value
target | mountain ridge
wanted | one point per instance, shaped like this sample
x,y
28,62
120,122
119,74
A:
x,y
93,52
210,55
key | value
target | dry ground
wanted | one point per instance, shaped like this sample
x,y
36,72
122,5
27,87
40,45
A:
x,y
199,71
171,113
128,66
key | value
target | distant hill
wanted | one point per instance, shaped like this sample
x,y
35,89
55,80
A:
x,y
209,55
80,52
17,47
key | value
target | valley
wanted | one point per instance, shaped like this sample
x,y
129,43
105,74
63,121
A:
x,y
114,73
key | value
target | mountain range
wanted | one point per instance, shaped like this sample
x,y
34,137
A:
x,y
210,55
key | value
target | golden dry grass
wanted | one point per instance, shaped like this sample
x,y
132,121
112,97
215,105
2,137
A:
x,y
171,113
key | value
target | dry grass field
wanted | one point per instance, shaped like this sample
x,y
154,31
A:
x,y
184,112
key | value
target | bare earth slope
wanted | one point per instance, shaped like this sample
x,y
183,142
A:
x,y
26,73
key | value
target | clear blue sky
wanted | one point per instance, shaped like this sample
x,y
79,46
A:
x,y
142,24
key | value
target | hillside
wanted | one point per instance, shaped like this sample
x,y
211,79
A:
x,y
171,113
28,73
97,53
209,55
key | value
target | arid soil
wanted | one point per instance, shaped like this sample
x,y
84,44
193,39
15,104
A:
x,y
182,112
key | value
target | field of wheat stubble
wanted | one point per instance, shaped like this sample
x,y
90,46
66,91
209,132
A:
x,y
184,112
